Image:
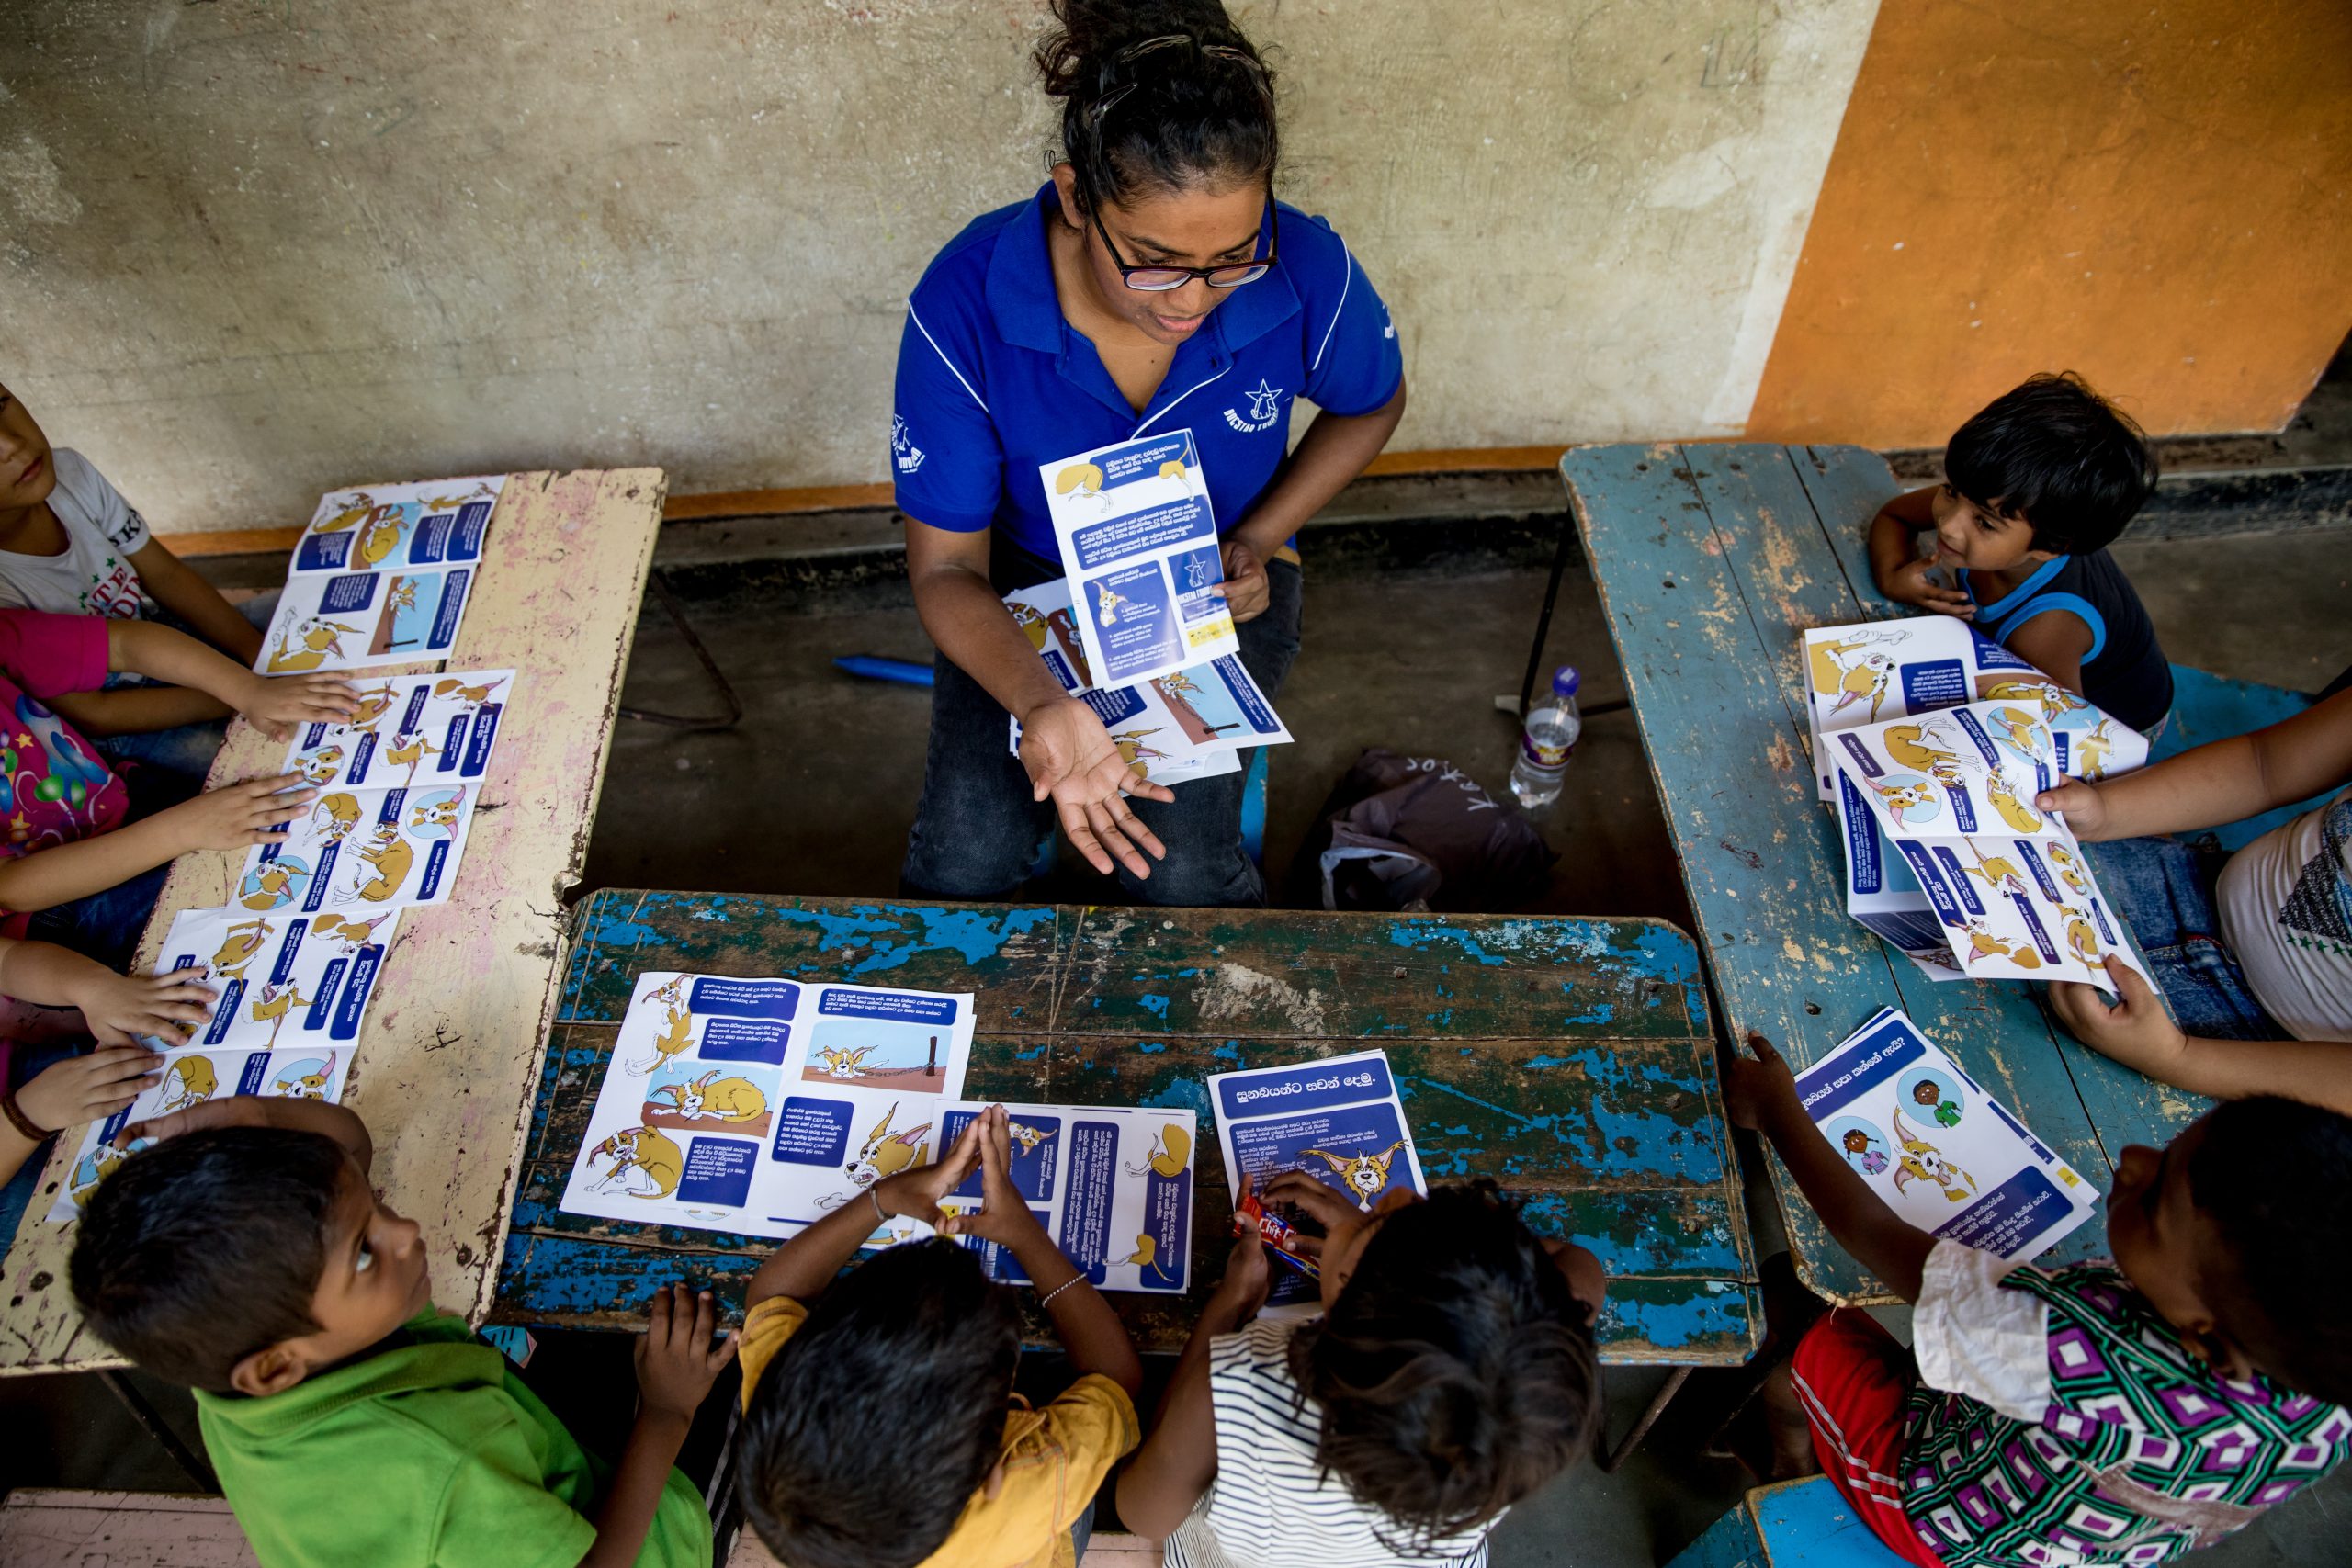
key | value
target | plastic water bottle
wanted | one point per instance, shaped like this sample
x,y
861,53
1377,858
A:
x,y
1546,743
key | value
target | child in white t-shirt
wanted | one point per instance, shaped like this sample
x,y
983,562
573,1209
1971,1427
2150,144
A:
x,y
71,544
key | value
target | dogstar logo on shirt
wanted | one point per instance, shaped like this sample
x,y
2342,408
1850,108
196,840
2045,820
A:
x,y
903,451
1265,407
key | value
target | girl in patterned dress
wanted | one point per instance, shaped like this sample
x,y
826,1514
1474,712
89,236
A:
x,y
2110,1414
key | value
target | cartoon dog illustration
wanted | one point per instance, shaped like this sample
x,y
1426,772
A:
x,y
713,1099
319,639
2081,938
678,1036
273,1002
334,818
645,1164
472,696
272,884
1908,799
393,858
2020,731
239,945
306,1080
93,1167
352,934
1362,1175
1982,943
375,702
1999,872
1132,749
320,766
409,748
2093,746
841,1063
1858,1153
1107,605
2015,812
1922,1161
2055,700
1858,680
883,1153
191,1081
1907,745
437,814
1027,1140
1145,1258
2070,870
1168,1152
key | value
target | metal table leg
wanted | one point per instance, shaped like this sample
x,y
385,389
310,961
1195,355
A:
x,y
733,703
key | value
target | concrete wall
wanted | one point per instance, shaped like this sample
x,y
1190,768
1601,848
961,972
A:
x,y
252,249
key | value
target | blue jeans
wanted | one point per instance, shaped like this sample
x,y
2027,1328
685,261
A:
x,y
977,832
2163,888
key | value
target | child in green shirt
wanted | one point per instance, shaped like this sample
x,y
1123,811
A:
x,y
246,1256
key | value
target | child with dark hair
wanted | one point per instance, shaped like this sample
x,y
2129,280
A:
x,y
2036,486
1452,1374
246,1256
2111,1413
881,1428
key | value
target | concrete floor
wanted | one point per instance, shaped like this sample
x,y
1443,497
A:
x,y
1408,643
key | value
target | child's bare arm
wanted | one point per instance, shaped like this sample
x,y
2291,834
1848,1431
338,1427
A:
x,y
116,1008
1177,1463
1896,565
803,1267
276,705
178,587
677,1360
1760,1093
2224,780
2054,642
139,710
229,817
2138,1032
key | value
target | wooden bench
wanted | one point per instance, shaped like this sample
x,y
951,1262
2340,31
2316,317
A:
x,y
1793,1523
449,1054
45,1528
1710,561
1572,1060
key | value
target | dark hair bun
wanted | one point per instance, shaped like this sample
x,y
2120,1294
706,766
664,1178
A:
x,y
1157,94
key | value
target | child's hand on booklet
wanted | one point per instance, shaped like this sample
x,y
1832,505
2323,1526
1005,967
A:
x,y
1003,1217
1913,583
2080,803
2136,1031
118,1008
86,1087
279,705
918,1190
1761,1089
1249,1275
252,812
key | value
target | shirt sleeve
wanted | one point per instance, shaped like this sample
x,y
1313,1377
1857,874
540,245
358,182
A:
x,y
765,1328
1354,363
1094,1423
946,460
50,656
1972,1336
100,504
496,1511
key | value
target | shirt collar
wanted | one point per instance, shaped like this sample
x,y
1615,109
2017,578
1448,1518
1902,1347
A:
x,y
1023,303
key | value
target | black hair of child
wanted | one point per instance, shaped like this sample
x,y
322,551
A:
x,y
884,1413
2058,455
206,1247
1456,1373
2270,1178
1158,95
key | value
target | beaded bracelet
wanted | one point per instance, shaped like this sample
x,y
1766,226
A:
x,y
879,1216
1047,1299
18,1119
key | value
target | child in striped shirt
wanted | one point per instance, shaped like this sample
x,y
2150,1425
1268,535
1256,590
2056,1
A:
x,y
1452,1374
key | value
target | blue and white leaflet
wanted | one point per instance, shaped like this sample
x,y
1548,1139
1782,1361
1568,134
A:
x,y
360,851
382,575
1138,543
438,728
1939,1151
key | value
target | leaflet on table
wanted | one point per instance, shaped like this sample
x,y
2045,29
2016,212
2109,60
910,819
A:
x,y
1166,724
190,1077
280,980
433,523
1939,1151
758,1106
1951,793
1112,1185
1884,670
443,726
361,851
1138,543
352,620
1339,1120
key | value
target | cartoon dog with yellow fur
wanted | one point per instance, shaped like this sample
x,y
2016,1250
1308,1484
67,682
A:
x,y
1363,1176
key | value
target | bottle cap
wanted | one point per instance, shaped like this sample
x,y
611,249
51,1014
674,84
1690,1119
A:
x,y
1564,680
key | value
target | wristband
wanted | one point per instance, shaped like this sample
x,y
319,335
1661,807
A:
x,y
1047,1299
881,1218
18,1119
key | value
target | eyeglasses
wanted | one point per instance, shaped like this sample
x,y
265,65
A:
x,y
1160,279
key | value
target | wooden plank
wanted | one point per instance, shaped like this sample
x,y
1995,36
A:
x,y
1609,1129
450,1055
41,1528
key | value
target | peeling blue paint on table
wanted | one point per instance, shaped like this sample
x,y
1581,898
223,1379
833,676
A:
x,y
1569,1060
1712,561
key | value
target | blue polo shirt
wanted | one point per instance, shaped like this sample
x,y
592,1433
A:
x,y
993,382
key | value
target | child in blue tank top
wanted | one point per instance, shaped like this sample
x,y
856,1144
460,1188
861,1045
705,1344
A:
x,y
2036,486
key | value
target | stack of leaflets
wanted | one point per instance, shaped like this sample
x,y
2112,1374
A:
x,y
1942,1153
1987,886
1188,724
1339,1120
1139,546
380,576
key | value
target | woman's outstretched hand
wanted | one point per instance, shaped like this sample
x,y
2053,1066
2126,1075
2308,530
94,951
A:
x,y
1072,760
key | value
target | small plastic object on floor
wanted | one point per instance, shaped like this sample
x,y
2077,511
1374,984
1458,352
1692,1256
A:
x,y
1546,739
875,667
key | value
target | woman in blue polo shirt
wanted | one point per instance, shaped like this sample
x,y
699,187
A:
x,y
1153,284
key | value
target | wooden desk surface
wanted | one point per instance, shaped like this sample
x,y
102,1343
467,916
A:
x,y
1712,560
450,1050
1569,1059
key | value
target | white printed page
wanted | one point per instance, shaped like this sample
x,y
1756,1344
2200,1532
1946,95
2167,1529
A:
x,y
360,851
1936,1148
433,523
443,727
1957,772
280,981
1138,543
354,620
2021,909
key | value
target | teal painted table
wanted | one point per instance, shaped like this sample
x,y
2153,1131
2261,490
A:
x,y
1571,1060
1712,560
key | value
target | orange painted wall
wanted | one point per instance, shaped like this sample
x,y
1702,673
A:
x,y
2158,193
